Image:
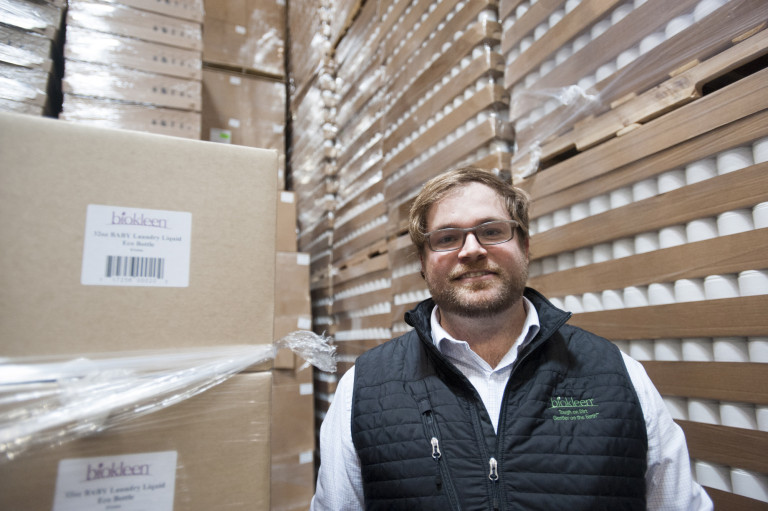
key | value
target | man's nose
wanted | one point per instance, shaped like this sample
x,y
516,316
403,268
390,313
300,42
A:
x,y
471,247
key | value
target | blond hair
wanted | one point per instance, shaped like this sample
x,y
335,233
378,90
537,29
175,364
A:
x,y
437,188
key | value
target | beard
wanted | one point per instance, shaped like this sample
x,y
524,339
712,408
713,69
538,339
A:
x,y
478,299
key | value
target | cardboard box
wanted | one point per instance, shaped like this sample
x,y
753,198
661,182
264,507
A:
x,y
26,85
185,9
107,113
129,85
293,439
245,34
293,481
102,48
293,303
127,21
211,451
40,17
28,49
9,105
292,292
286,222
243,109
292,411
58,294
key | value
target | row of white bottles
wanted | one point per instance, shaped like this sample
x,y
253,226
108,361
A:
x,y
700,229
698,349
720,413
711,287
724,162
746,483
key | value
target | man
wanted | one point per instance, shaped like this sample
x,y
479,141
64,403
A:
x,y
492,401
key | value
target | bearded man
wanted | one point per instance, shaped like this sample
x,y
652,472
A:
x,y
493,401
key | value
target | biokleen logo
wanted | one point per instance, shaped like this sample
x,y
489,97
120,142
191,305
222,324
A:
x,y
571,409
138,219
110,471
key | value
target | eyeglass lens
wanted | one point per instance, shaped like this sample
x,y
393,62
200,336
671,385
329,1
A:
x,y
489,233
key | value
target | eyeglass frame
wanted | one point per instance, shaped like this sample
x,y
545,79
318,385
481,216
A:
x,y
427,235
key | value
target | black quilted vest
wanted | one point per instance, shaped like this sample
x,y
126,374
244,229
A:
x,y
571,431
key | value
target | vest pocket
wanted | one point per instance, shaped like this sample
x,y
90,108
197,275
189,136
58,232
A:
x,y
443,480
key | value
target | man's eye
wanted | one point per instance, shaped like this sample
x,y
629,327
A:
x,y
446,239
491,231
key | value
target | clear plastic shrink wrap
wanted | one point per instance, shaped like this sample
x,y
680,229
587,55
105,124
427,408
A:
x,y
662,52
137,23
88,45
28,33
23,48
23,84
46,402
245,35
41,17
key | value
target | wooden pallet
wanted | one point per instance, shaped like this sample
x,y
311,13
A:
x,y
734,134
685,87
369,259
737,101
728,317
671,75
650,17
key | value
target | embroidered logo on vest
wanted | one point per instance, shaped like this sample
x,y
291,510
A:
x,y
572,409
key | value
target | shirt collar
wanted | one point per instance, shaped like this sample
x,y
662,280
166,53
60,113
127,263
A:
x,y
530,328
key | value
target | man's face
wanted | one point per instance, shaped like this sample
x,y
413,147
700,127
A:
x,y
475,280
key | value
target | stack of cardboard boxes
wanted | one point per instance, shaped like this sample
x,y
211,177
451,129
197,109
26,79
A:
x,y
243,75
128,241
134,65
30,42
293,435
213,72
312,102
246,35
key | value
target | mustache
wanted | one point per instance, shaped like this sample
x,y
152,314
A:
x,y
461,270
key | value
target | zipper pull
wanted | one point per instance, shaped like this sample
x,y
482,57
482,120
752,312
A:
x,y
493,475
436,454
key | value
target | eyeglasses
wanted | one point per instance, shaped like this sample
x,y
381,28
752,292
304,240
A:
x,y
488,233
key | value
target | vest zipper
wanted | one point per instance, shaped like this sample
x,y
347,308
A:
x,y
494,486
443,477
493,475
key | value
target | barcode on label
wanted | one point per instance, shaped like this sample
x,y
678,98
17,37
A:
x,y
128,266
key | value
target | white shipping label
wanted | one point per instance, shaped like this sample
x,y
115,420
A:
x,y
130,482
136,247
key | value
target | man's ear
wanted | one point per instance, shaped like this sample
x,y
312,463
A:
x,y
421,260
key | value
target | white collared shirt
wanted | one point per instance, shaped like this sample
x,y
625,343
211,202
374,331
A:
x,y
669,485
488,381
